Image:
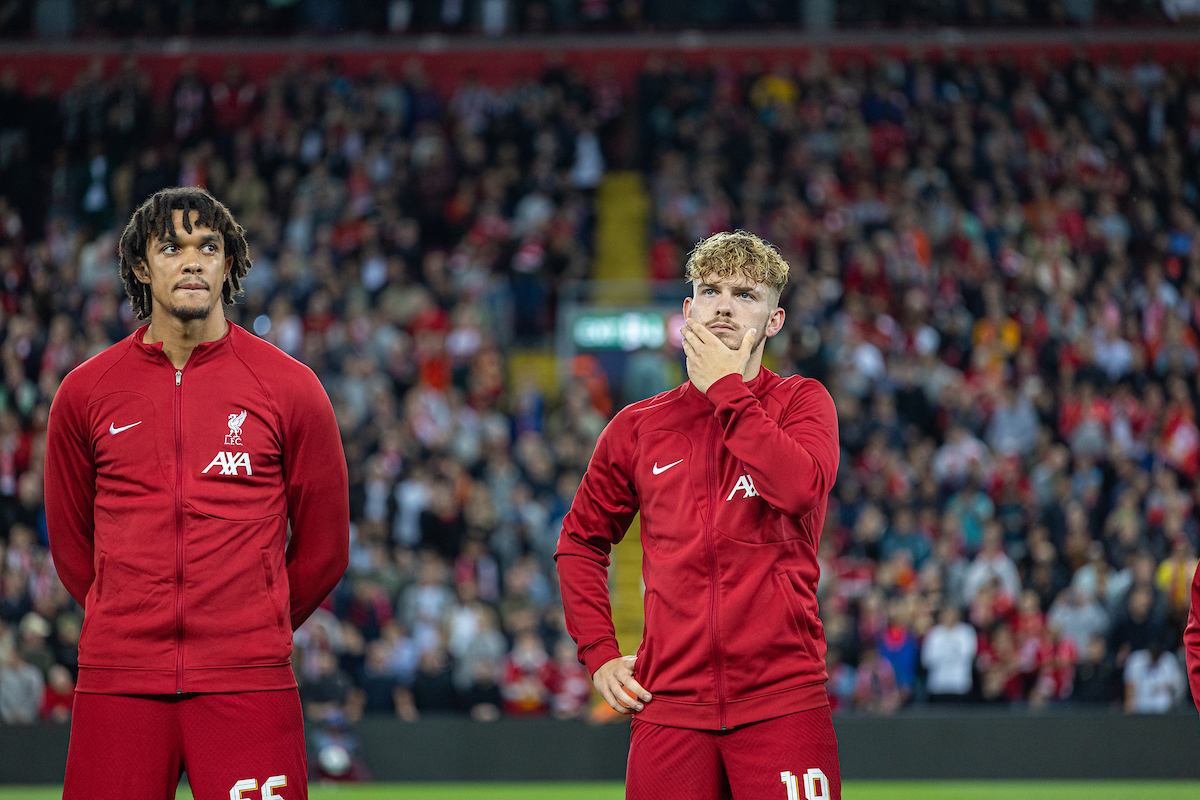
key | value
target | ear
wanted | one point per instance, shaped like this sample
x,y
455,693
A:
x,y
687,304
141,271
228,267
775,321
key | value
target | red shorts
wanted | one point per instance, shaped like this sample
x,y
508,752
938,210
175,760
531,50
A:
x,y
243,745
793,757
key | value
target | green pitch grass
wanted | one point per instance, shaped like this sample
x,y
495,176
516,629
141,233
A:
x,y
853,790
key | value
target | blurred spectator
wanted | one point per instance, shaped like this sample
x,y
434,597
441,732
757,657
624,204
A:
x,y
378,686
999,667
433,685
21,687
1079,617
1096,678
481,697
474,637
1174,576
1154,681
59,696
991,564
948,655
527,677
904,535
572,685
1056,670
15,598
325,696
875,687
842,685
1139,627
973,509
897,644
34,631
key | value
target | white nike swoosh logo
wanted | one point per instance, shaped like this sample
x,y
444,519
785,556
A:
x,y
660,470
114,429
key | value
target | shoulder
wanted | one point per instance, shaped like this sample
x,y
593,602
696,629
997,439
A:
x,y
800,397
79,383
659,402
635,415
261,354
797,388
289,386
273,367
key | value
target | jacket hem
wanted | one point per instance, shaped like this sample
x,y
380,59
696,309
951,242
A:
x,y
707,716
121,680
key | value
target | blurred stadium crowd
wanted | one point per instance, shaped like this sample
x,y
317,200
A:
x,y
211,18
996,273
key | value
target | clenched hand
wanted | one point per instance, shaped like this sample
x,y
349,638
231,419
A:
x,y
614,680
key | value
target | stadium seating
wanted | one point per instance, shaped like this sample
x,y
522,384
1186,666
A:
x,y
996,273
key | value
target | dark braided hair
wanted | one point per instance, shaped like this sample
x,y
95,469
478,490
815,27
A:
x,y
153,218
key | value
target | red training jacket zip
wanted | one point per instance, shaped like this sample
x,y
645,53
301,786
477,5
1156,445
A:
x,y
178,531
714,496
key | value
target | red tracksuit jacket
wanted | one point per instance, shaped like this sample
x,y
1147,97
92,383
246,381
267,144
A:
x,y
169,495
732,488
1191,641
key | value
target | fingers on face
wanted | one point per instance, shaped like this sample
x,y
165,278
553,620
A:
x,y
695,332
703,334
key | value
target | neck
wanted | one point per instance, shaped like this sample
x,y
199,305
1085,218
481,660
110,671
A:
x,y
180,337
755,363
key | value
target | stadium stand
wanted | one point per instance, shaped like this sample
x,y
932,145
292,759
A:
x,y
996,274
216,18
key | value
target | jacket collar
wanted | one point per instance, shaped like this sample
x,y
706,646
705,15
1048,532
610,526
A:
x,y
203,351
759,385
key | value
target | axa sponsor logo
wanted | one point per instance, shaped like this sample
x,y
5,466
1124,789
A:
x,y
230,462
744,484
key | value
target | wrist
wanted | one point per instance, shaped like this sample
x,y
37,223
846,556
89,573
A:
x,y
600,654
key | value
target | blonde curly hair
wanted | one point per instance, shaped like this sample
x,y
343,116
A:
x,y
738,254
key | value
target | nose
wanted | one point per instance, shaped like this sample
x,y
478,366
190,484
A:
x,y
191,264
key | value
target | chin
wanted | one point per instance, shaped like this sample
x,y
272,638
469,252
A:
x,y
190,313
730,339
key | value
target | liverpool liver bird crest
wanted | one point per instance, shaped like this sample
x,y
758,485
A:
x,y
235,428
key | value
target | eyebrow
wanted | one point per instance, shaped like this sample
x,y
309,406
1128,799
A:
x,y
205,239
735,289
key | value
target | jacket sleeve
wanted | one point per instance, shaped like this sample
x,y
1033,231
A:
x,y
600,514
1191,641
318,496
793,462
71,492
